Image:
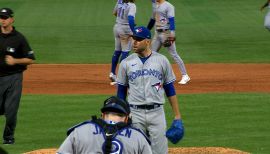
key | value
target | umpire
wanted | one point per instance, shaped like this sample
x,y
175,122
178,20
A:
x,y
15,55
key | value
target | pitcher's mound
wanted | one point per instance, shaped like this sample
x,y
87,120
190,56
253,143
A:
x,y
183,150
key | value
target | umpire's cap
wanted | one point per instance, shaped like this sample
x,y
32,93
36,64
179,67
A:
x,y
115,104
6,12
140,33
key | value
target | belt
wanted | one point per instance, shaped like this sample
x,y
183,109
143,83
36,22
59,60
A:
x,y
146,107
162,30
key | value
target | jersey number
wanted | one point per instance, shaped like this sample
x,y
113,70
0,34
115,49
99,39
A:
x,y
120,12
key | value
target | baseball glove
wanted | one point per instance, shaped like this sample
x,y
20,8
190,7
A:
x,y
168,42
176,132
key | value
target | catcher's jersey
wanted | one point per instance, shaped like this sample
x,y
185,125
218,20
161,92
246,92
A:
x,y
123,11
162,13
145,81
89,139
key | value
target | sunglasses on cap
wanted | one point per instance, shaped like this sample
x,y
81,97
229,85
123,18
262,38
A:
x,y
136,38
3,17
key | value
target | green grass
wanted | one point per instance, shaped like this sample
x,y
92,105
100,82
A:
x,y
215,31
238,121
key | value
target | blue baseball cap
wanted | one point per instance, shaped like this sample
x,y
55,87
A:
x,y
115,104
140,33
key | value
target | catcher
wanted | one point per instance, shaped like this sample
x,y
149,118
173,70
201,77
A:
x,y
110,134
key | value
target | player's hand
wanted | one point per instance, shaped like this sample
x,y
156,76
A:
x,y
176,132
10,60
172,34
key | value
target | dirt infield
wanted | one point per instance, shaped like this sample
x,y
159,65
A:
x,y
184,150
93,79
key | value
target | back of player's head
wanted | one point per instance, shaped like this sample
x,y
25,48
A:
x,y
141,33
115,104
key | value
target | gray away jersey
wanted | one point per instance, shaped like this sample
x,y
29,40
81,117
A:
x,y
162,13
89,139
145,81
123,11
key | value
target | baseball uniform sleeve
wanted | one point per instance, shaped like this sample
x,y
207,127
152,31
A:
x,y
170,10
67,145
122,78
132,10
169,76
26,49
146,149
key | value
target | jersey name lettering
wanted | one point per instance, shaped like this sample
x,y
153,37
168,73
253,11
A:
x,y
144,72
97,131
126,133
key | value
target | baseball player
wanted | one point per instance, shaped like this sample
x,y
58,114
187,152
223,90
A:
x,y
112,134
267,16
124,11
15,55
163,18
145,76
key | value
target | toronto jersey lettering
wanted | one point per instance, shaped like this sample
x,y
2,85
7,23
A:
x,y
145,81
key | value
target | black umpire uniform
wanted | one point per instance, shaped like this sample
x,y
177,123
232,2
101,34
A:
x,y
13,45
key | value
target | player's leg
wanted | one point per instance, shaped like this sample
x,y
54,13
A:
x,y
116,54
13,96
156,43
126,41
180,63
3,83
157,129
138,119
267,21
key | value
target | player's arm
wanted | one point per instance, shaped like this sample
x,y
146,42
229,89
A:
x,y
265,5
122,91
122,81
152,20
67,145
131,17
151,23
171,94
28,55
116,7
171,15
18,61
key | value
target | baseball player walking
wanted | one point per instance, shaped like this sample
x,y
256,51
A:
x,y
112,134
163,18
15,55
146,76
267,16
124,11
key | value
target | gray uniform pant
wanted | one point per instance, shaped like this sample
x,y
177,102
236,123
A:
x,y
123,41
10,95
157,43
153,123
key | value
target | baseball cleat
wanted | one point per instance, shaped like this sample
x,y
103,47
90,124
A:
x,y
112,77
113,83
185,79
9,141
